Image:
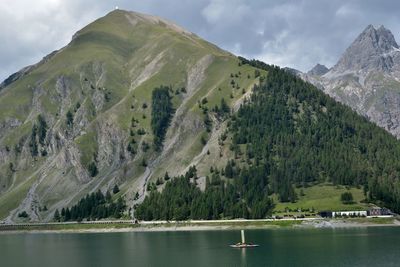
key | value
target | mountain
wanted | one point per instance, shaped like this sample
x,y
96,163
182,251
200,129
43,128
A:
x,y
135,100
67,122
292,71
373,50
318,70
288,137
367,78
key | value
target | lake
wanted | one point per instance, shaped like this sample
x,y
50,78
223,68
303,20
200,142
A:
x,y
374,246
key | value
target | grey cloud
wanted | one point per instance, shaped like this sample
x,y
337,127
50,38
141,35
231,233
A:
x,y
293,33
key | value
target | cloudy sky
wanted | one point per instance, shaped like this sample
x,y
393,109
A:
x,y
295,33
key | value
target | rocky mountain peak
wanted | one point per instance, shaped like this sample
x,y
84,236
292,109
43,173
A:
x,y
318,70
386,38
373,49
380,39
366,78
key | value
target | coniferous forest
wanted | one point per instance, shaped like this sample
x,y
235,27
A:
x,y
160,114
93,206
181,199
289,133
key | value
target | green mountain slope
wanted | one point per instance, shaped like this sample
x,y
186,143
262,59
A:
x,y
133,96
287,135
95,96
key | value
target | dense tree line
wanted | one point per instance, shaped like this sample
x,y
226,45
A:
x,y
161,112
288,134
38,136
301,136
182,199
93,206
222,111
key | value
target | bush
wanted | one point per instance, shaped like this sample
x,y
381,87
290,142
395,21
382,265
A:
x,y
145,146
166,176
347,198
92,168
144,163
107,96
23,214
56,216
131,147
70,118
141,131
203,140
115,189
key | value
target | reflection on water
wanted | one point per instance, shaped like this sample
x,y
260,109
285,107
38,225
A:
x,y
319,247
243,256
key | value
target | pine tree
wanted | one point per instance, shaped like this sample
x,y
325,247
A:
x,y
115,189
42,129
166,176
67,215
70,119
56,216
92,168
108,196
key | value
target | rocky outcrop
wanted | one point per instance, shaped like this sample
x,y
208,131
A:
x,y
318,70
8,124
373,50
366,78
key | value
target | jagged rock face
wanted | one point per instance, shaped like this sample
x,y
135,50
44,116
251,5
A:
x,y
367,78
373,50
318,70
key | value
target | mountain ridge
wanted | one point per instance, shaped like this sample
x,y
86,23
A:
x,y
366,78
96,93
318,70
370,51
83,122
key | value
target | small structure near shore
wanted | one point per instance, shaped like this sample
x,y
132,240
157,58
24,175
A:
x,y
379,212
353,213
373,212
326,214
243,244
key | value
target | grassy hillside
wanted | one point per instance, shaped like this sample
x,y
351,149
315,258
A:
x,y
321,197
288,141
95,96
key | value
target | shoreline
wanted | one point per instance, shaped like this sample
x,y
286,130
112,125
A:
x,y
124,227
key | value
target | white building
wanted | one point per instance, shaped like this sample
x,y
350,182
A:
x,y
355,213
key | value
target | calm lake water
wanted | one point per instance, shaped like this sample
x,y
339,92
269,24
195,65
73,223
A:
x,y
317,247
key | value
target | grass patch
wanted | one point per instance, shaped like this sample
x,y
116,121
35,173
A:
x,y
87,146
323,197
13,198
